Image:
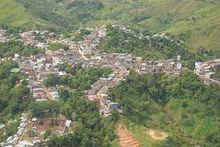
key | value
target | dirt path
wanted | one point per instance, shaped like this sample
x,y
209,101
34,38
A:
x,y
156,135
126,138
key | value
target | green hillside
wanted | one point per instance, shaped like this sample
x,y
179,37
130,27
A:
x,y
13,13
182,106
195,20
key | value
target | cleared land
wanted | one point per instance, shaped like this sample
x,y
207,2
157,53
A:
x,y
156,134
126,138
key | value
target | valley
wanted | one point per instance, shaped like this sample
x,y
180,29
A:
x,y
110,73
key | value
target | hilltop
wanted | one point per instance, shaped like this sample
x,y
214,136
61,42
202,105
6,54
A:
x,y
195,21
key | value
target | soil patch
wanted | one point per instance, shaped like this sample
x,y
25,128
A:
x,y
156,135
126,138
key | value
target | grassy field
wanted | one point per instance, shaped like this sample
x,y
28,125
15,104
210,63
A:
x,y
13,13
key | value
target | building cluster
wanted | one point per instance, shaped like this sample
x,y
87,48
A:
x,y
99,90
13,140
121,64
163,66
88,47
37,68
123,28
30,132
40,66
28,39
37,39
206,70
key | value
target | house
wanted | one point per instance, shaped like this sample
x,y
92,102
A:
x,y
28,70
179,65
91,97
56,60
68,123
113,105
16,56
62,73
24,143
139,59
2,126
209,74
55,95
38,95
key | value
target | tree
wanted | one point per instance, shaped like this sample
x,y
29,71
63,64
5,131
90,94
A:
x,y
47,134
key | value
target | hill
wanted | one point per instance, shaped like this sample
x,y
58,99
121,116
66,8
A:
x,y
175,106
196,21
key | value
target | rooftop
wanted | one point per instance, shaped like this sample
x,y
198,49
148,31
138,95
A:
x,y
15,70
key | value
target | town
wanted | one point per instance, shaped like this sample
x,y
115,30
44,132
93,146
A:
x,y
38,67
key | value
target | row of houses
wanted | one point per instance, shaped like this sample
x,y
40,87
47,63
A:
x,y
165,66
38,68
13,140
88,47
206,70
28,39
99,91
37,38
30,131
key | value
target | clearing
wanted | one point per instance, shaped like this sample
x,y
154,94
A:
x,y
156,135
126,138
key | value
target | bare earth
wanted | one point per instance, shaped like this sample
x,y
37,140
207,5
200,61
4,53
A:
x,y
157,135
126,138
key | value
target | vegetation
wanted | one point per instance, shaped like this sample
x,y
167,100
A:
x,y
11,31
78,77
184,18
39,37
45,109
182,106
12,13
89,128
14,97
8,49
79,35
149,47
216,76
153,47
